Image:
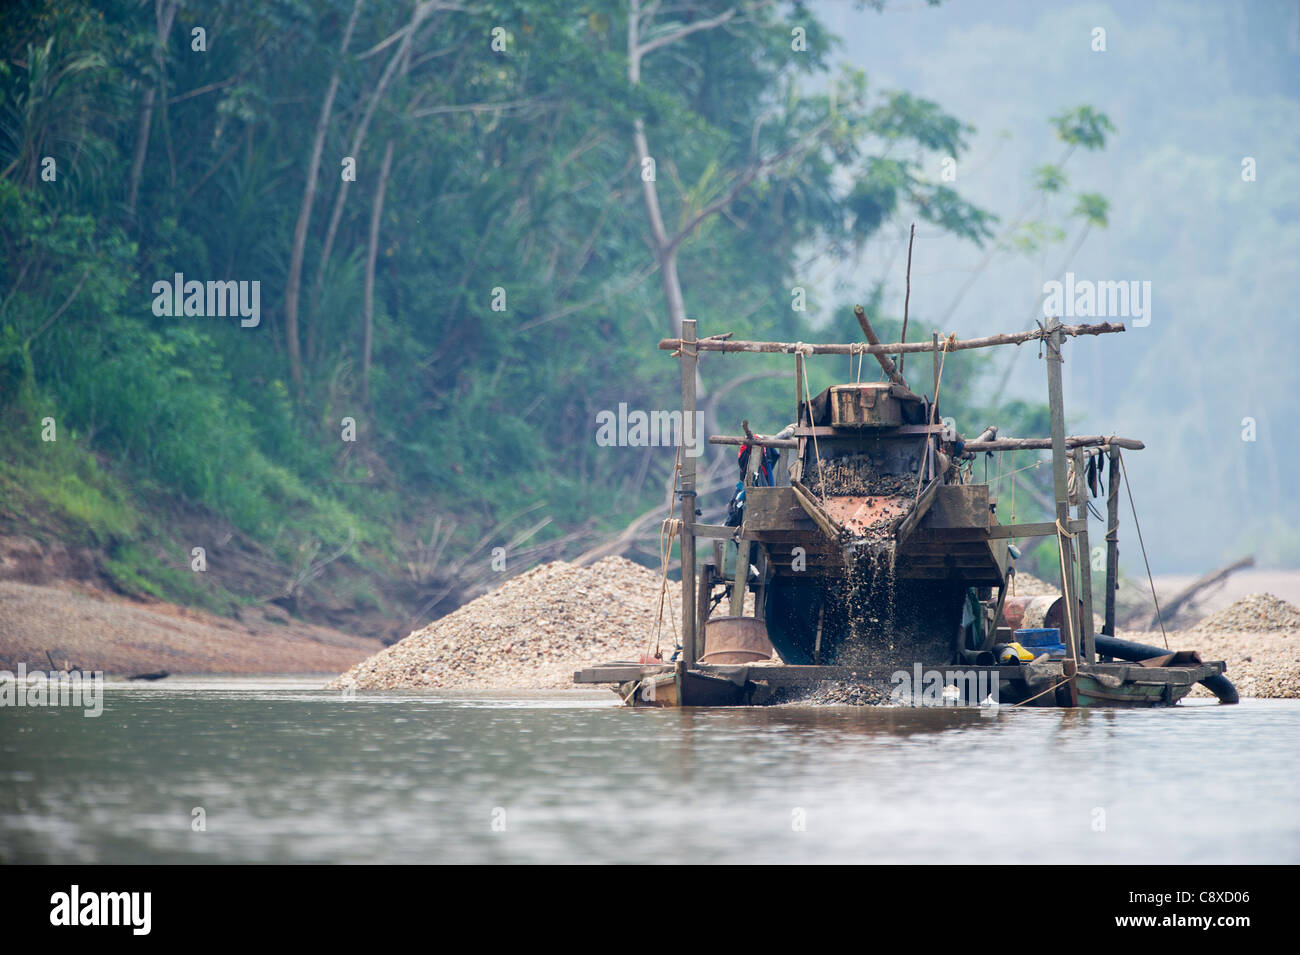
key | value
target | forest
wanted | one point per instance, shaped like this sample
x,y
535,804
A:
x,y
338,291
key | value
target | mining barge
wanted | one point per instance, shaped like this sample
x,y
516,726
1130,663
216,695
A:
x,y
875,557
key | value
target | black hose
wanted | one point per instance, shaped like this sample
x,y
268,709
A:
x,y
1219,685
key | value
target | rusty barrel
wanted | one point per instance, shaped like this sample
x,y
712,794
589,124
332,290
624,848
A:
x,y
735,640
1030,613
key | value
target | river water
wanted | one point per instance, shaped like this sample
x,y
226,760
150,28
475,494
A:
x,y
280,771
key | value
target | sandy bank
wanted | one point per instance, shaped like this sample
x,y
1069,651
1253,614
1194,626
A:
x,y
98,632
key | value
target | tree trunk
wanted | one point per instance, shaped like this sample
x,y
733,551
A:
x,y
294,283
376,214
164,15
665,249
400,58
141,148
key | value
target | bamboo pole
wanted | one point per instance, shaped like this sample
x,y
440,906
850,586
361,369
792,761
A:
x,y
716,343
689,360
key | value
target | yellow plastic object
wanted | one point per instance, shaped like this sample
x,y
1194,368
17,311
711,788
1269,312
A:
x,y
1014,652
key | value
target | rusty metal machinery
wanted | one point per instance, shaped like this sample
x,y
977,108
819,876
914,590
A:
x,y
875,541
873,550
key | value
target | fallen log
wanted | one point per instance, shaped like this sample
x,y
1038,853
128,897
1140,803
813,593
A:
x,y
1184,596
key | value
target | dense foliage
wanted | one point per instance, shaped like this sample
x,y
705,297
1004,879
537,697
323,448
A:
x,y
487,284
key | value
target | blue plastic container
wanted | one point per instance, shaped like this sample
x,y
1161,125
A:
x,y
1042,640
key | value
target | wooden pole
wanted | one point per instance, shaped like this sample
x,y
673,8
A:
x,y
689,358
800,371
798,387
763,440
886,363
1085,559
1112,543
934,395
741,577
907,298
718,343
1056,403
1045,444
927,464
707,576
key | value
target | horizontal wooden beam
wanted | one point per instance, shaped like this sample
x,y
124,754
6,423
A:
x,y
856,433
895,348
1045,444
763,440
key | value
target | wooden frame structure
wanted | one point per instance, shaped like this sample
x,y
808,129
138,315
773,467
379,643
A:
x,y
1079,679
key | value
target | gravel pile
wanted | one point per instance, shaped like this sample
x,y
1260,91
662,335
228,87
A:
x,y
854,474
1254,613
1259,638
1265,665
532,632
1027,585
536,629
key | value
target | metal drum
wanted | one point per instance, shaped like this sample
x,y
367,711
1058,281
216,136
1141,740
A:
x,y
1020,613
735,640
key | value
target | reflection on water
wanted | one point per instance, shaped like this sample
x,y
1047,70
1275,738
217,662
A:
x,y
285,772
